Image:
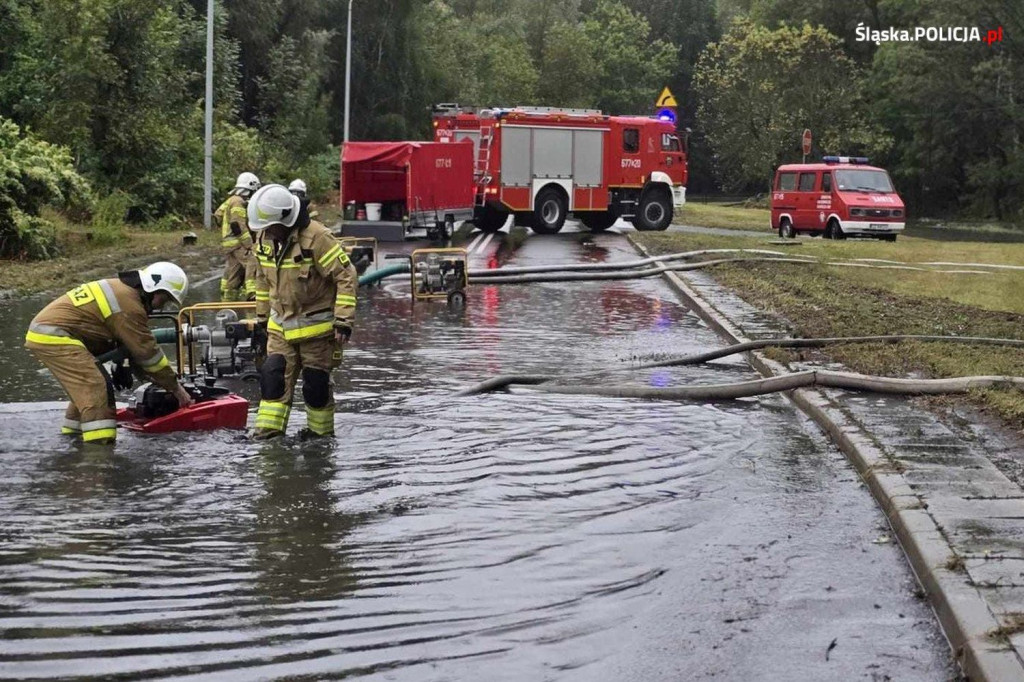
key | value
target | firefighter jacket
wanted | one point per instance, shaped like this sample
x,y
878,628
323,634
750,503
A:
x,y
100,316
234,224
306,285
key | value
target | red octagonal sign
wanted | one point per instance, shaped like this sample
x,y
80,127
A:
x,y
807,141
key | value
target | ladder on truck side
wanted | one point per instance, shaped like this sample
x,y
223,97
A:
x,y
482,169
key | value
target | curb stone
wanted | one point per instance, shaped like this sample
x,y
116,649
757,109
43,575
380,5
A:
x,y
962,611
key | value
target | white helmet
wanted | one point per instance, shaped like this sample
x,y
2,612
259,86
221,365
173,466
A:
x,y
164,276
272,205
297,187
247,181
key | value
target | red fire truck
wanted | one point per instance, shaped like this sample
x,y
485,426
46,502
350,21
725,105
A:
x,y
541,163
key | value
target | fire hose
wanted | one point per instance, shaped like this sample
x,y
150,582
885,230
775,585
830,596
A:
x,y
884,384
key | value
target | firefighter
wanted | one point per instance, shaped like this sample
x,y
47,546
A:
x,y
239,264
298,188
306,295
94,318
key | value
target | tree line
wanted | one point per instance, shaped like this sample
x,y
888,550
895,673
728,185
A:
x,y
112,91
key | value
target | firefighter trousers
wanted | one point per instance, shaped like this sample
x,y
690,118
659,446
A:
x,y
239,273
314,359
91,411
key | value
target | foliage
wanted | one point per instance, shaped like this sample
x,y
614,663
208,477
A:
x,y
34,174
760,88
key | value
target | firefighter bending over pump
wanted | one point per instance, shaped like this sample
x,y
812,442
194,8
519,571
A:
x,y
235,239
94,318
306,294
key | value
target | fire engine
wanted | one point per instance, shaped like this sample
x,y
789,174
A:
x,y
538,164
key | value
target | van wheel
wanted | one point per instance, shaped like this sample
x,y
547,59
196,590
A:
x,y
786,230
655,211
833,230
549,211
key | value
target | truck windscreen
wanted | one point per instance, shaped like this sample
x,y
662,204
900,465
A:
x,y
863,181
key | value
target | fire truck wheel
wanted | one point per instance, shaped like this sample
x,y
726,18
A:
x,y
597,221
786,230
549,211
655,211
490,220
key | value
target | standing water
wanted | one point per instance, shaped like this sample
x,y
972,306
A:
x,y
511,536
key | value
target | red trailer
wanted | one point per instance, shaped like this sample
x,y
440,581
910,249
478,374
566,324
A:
x,y
540,163
413,185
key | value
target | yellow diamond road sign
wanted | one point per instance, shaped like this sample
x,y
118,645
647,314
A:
x,y
667,99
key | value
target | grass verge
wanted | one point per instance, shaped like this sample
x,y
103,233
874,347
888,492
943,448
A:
x,y
724,217
822,300
82,259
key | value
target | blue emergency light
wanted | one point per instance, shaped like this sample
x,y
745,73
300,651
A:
x,y
845,159
667,115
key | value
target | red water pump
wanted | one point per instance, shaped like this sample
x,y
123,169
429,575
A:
x,y
154,410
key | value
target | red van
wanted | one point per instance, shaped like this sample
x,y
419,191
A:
x,y
841,197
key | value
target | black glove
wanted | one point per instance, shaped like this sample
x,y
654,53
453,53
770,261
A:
x,y
343,328
122,377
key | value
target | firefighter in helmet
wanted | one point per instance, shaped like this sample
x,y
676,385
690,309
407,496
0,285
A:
x,y
298,188
306,294
239,264
97,317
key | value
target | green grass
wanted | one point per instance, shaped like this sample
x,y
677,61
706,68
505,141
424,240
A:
x,y
822,300
726,217
84,258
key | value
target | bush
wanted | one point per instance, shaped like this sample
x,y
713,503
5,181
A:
x,y
108,218
34,174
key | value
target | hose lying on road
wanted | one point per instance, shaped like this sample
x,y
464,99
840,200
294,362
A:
x,y
505,380
788,382
624,265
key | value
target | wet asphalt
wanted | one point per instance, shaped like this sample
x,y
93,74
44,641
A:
x,y
512,536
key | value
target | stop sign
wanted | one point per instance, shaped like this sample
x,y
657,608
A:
x,y
806,141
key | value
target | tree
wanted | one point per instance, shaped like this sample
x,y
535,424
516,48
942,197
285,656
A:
x,y
759,88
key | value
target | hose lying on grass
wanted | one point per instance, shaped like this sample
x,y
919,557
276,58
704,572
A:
x,y
505,380
788,382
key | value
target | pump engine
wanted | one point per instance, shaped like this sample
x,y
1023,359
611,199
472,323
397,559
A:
x,y
232,347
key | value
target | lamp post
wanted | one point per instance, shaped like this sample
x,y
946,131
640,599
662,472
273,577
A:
x,y
208,152
348,68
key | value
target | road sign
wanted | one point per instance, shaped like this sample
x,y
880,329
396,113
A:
x,y
806,140
667,99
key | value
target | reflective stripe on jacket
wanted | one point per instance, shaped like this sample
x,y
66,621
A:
x,y
304,285
234,223
100,316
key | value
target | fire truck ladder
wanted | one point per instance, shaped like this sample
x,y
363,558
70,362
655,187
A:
x,y
483,164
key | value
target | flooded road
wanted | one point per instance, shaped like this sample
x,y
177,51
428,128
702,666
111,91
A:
x,y
514,536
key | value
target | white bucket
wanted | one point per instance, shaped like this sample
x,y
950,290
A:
x,y
373,211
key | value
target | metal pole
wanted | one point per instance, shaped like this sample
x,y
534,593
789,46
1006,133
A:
x,y
208,156
348,69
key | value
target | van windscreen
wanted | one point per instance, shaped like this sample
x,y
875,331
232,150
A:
x,y
863,181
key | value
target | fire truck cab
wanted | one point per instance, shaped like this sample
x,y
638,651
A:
x,y
843,196
538,164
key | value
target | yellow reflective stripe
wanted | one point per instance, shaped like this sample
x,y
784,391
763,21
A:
x,y
230,241
156,367
279,409
309,332
272,415
331,255
344,299
238,211
99,434
51,340
320,420
101,299
68,431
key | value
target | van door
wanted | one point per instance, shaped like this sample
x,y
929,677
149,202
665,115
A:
x,y
806,200
824,203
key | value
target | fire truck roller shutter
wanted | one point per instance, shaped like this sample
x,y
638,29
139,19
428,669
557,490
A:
x,y
655,209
